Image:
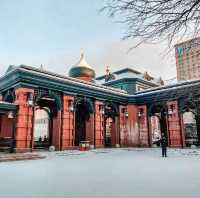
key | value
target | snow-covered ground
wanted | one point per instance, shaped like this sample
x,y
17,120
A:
x,y
105,173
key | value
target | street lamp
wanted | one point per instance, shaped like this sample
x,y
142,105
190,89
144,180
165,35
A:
x,y
10,115
71,107
101,110
140,113
30,99
170,112
126,114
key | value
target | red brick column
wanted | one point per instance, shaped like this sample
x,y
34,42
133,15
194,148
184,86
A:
x,y
174,126
56,133
123,127
117,131
67,123
99,128
24,123
1,97
132,126
90,130
143,126
182,129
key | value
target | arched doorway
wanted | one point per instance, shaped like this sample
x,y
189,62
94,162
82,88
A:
x,y
46,127
190,107
158,123
155,129
42,134
83,129
111,126
190,129
9,96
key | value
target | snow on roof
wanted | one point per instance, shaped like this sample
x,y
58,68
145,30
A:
x,y
180,84
70,80
8,103
121,71
126,73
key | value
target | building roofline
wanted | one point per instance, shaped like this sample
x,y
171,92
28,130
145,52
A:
x,y
131,79
119,72
186,41
67,79
167,87
91,86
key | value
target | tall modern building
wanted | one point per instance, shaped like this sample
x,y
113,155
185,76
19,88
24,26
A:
x,y
188,59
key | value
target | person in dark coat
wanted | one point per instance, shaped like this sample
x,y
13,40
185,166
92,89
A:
x,y
163,142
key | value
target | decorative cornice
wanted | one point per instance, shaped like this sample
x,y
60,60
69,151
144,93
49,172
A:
x,y
33,78
5,106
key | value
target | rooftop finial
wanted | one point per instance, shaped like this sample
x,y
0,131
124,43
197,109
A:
x,y
107,70
41,67
82,53
82,62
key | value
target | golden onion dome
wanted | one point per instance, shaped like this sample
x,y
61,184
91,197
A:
x,y
82,70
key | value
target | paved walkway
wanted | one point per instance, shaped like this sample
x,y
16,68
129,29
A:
x,y
117,173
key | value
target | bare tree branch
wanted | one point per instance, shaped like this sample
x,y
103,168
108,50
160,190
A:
x,y
154,20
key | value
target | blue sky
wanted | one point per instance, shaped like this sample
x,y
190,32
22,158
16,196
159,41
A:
x,y
51,32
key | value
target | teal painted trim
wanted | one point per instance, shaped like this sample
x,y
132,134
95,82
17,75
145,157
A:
x,y
29,78
8,107
21,78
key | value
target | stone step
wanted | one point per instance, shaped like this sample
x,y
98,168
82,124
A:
x,y
17,157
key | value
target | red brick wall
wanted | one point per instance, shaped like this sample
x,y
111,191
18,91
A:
x,y
56,131
90,129
132,135
134,129
99,128
116,131
123,128
143,127
67,123
174,126
6,126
